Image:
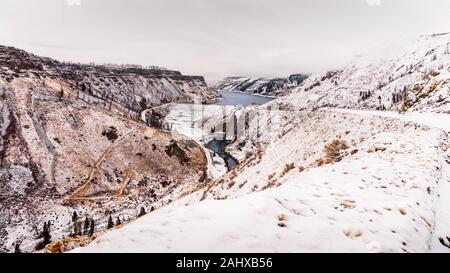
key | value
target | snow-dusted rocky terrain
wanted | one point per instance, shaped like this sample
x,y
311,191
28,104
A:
x,y
374,187
416,80
320,172
355,160
261,86
71,140
131,87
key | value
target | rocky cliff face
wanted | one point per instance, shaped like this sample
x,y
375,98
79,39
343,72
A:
x,y
133,88
272,87
71,140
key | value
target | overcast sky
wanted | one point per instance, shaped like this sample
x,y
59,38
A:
x,y
216,38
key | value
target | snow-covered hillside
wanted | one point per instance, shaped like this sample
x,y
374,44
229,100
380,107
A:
x,y
318,173
326,185
262,86
418,79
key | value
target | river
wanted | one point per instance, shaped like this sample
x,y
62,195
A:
x,y
189,120
236,99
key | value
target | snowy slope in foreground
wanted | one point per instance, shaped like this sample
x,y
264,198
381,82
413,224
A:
x,y
382,197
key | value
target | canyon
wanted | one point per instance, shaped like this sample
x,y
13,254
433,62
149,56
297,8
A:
x,y
354,159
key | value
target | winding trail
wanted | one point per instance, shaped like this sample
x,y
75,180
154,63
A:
x,y
436,120
77,195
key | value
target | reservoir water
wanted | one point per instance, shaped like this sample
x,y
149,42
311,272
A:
x,y
239,98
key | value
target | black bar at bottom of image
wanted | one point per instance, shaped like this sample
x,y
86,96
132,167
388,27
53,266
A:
x,y
206,262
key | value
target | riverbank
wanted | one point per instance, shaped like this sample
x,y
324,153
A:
x,y
211,125
219,148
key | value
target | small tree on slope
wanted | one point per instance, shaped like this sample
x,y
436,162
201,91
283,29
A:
x,y
110,222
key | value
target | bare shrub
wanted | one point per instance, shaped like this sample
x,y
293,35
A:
x,y
270,176
249,154
375,149
282,217
333,150
110,133
287,168
270,184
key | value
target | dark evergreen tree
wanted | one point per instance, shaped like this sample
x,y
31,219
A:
x,y
46,234
118,222
74,216
143,103
142,212
110,222
86,226
17,248
92,227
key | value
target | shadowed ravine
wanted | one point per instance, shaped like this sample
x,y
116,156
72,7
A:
x,y
218,146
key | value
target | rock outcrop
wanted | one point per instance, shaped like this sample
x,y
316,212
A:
x,y
131,87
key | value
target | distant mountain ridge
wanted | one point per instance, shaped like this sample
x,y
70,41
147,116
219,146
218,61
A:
x,y
262,86
416,80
